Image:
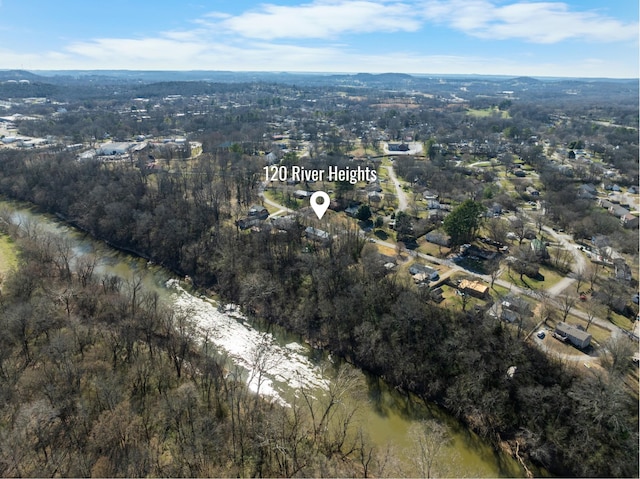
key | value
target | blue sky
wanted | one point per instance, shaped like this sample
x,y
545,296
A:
x,y
586,38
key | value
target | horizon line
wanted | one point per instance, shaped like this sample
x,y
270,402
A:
x,y
294,72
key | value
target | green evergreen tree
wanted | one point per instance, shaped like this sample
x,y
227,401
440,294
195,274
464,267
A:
x,y
463,222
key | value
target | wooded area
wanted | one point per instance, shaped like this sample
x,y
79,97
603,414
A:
x,y
106,356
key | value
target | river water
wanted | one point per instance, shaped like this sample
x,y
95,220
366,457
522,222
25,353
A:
x,y
277,365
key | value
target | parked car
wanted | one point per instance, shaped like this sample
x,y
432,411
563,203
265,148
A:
x,y
540,334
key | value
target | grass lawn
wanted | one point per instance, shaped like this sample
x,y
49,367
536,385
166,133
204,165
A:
x,y
498,292
454,301
8,255
551,277
385,250
621,321
486,112
279,197
556,346
433,249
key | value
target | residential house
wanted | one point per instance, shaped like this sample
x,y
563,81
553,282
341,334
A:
x,y
474,288
605,203
532,191
478,253
433,204
622,270
516,304
255,216
429,195
509,315
438,237
422,273
619,211
374,197
352,211
301,194
539,247
318,235
248,222
285,223
574,334
630,221
257,211
587,192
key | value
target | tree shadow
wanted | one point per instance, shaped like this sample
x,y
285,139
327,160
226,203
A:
x,y
381,235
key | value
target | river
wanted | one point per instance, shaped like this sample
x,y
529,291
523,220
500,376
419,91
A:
x,y
277,365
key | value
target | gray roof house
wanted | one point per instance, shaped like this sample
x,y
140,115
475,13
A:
x,y
438,237
315,234
575,335
423,272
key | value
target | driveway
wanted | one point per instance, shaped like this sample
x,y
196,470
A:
x,y
403,203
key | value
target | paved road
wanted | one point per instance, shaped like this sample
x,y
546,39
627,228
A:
x,y
281,208
579,261
402,196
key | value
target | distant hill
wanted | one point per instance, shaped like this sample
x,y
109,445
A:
x,y
17,75
102,83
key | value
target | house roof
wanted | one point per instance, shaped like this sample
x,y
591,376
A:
x,y
476,286
310,230
421,269
570,330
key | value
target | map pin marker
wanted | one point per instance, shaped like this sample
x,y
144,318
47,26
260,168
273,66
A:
x,y
320,208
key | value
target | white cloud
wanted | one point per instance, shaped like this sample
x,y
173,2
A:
x,y
168,54
145,52
305,38
319,19
536,22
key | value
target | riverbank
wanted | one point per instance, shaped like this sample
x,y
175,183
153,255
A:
x,y
284,365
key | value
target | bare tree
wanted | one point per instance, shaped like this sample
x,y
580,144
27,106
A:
x,y
493,268
497,230
519,226
593,309
591,274
546,309
617,353
580,277
561,258
567,303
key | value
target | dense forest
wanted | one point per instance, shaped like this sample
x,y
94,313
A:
x,y
99,379
340,297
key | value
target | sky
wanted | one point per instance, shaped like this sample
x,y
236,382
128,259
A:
x,y
583,38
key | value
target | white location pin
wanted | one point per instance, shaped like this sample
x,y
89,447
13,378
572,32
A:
x,y
320,208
